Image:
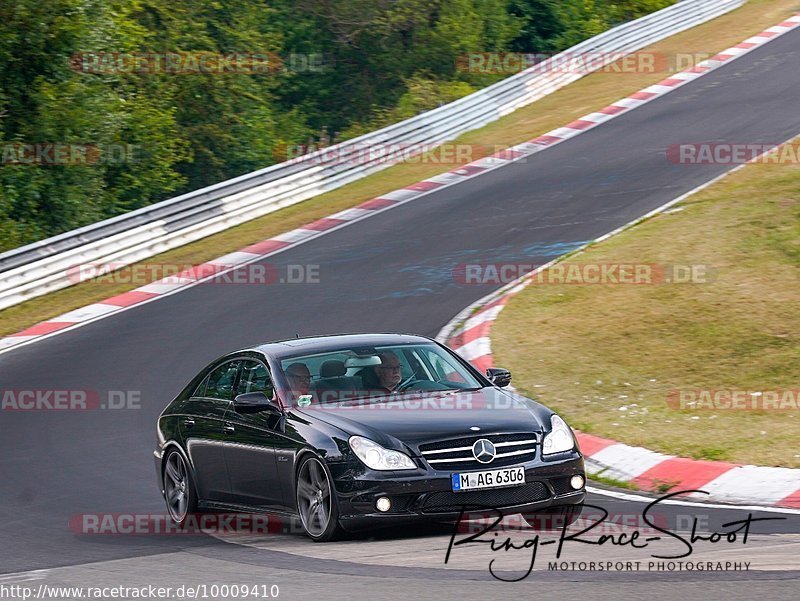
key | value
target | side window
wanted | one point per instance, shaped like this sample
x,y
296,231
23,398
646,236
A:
x,y
255,378
221,381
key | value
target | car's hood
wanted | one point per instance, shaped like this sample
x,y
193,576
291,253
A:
x,y
412,419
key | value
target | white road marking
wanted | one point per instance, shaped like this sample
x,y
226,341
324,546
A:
x,y
624,496
17,577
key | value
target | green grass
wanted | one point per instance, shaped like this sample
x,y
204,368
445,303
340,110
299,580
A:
x,y
609,481
608,356
586,95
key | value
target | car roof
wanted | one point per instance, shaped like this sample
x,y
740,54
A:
x,y
314,344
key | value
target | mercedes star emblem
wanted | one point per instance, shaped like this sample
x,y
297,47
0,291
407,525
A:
x,y
483,450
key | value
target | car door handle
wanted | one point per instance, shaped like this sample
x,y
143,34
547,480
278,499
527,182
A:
x,y
228,429
188,422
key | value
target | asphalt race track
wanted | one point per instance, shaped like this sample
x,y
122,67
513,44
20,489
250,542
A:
x,y
391,272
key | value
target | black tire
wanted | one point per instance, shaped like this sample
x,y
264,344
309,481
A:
x,y
316,500
179,491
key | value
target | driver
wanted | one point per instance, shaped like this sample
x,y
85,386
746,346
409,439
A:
x,y
389,373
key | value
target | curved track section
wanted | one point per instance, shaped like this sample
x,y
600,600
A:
x,y
392,272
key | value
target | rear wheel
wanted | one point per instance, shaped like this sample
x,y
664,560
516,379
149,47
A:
x,y
316,501
179,492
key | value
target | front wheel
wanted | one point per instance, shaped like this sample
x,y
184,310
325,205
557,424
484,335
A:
x,y
179,490
316,501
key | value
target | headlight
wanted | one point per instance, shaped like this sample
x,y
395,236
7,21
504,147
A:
x,y
378,458
559,439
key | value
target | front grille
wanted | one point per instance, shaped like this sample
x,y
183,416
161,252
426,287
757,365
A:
x,y
457,453
439,502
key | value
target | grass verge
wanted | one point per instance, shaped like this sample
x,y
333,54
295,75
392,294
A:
x,y
588,94
615,358
608,481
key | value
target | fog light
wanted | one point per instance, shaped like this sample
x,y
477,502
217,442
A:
x,y
383,504
576,482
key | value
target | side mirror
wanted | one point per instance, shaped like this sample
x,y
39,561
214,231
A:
x,y
499,376
254,402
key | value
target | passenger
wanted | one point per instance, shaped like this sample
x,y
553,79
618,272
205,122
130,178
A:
x,y
299,378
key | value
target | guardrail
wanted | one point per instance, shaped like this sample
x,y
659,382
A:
x,y
43,267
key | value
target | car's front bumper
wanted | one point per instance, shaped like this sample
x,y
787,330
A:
x,y
428,495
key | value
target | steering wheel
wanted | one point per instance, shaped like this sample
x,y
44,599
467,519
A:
x,y
406,383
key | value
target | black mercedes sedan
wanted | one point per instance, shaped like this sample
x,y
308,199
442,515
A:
x,y
351,432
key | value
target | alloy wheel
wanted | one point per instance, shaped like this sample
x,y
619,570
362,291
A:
x,y
314,497
176,487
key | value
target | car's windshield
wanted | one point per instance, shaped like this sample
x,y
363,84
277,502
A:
x,y
371,371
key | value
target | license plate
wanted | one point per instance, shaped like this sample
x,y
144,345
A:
x,y
511,476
